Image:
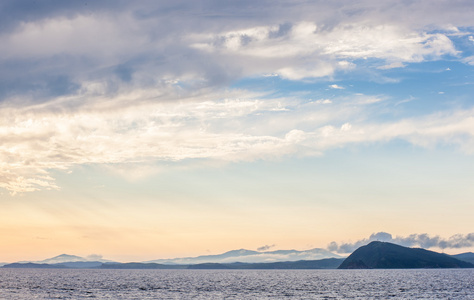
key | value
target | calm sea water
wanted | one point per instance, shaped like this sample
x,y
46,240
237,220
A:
x,y
236,284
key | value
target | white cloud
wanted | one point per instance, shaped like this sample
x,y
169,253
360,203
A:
x,y
319,69
469,60
38,139
295,136
323,101
346,127
350,40
82,35
392,66
335,86
125,133
311,51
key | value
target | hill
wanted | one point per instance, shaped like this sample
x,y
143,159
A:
x,y
382,255
328,263
135,265
33,266
468,256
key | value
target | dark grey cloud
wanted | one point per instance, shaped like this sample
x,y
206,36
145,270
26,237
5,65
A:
x,y
124,72
162,51
13,13
283,29
39,79
413,240
229,13
266,247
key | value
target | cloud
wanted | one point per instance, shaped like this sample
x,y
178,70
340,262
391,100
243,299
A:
x,y
323,101
94,257
350,40
266,247
392,66
335,86
284,255
129,136
414,240
54,48
48,136
469,60
311,50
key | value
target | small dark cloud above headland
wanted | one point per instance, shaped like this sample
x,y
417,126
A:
x,y
266,247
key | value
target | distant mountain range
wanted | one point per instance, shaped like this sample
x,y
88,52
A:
x,y
250,256
382,255
328,263
372,256
66,258
61,261
241,255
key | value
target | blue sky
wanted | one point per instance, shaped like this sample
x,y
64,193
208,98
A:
x,y
146,130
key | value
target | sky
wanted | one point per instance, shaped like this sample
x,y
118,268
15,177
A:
x,y
140,130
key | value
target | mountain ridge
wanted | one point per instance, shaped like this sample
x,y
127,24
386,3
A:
x,y
252,256
329,263
467,256
66,258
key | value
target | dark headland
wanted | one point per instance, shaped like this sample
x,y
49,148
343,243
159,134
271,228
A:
x,y
383,255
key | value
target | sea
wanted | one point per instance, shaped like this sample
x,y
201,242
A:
x,y
236,284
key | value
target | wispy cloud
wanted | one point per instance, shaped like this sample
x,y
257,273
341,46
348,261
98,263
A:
x,y
392,66
94,257
266,247
44,137
469,60
413,240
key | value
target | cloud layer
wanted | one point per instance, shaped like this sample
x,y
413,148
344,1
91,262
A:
x,y
413,240
55,48
40,138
